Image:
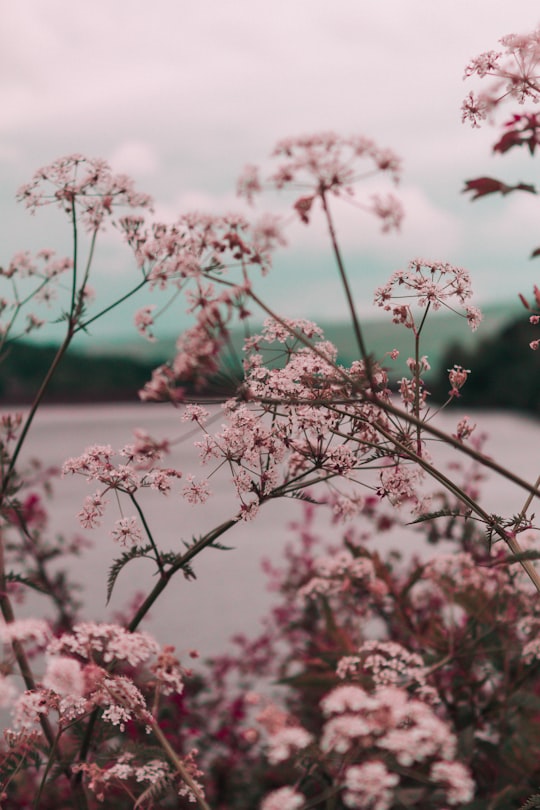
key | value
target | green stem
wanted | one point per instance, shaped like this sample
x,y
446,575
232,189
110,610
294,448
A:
x,y
181,561
417,334
348,293
86,324
178,764
148,532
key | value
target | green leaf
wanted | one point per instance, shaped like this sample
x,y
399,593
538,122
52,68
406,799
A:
x,y
127,556
11,576
532,802
302,496
434,515
530,554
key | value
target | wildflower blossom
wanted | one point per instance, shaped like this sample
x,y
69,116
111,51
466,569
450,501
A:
x,y
284,742
457,377
369,786
457,780
327,163
127,532
36,630
515,73
64,675
284,798
87,184
427,283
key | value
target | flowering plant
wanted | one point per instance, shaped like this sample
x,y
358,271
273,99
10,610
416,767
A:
x,y
403,682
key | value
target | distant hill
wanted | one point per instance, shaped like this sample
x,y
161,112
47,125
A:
x,y
116,371
442,329
79,378
505,371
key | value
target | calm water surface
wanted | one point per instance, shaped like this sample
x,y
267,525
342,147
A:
x,y
229,594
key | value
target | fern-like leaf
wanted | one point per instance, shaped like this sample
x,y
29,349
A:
x,y
299,495
157,790
531,803
116,567
434,515
530,554
11,576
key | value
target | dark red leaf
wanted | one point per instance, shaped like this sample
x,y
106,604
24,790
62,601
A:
x,y
483,186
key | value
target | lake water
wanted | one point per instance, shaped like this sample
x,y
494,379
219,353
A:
x,y
229,594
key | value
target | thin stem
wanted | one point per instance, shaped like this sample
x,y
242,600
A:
x,y
52,755
86,324
527,503
417,334
510,540
348,293
148,532
75,257
178,764
181,561
30,418
18,650
158,588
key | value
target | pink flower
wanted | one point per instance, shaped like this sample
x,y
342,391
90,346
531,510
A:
x,y
144,321
286,742
249,183
127,532
76,183
456,779
369,786
514,72
196,491
65,676
457,377
284,798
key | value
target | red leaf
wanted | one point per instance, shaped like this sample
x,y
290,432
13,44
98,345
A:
x,y
488,185
485,185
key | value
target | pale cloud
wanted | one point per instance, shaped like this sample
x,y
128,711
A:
x,y
136,158
427,228
182,95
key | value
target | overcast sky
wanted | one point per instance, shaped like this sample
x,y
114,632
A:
x,y
181,95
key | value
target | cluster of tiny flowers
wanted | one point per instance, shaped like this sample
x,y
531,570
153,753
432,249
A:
x,y
369,786
25,630
362,729
77,678
515,73
44,266
387,662
198,245
98,463
336,573
10,425
197,255
125,768
105,643
326,162
457,781
427,283
534,319
39,274
308,434
79,184
286,742
285,798
461,569
457,377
